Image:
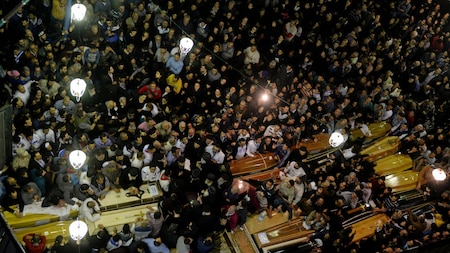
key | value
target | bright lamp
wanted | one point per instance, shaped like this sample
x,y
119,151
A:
x,y
439,174
336,139
77,88
186,45
78,11
78,229
77,159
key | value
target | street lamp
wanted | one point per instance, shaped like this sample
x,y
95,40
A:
x,y
78,11
186,45
336,139
439,174
77,159
77,88
78,229
265,97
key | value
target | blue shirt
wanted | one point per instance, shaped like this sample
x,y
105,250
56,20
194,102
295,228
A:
x,y
155,249
174,66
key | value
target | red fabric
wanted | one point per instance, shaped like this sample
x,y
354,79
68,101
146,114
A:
x,y
32,248
253,206
156,93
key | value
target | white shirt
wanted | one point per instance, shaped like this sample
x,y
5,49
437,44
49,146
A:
x,y
88,213
293,172
219,157
50,136
252,147
147,175
241,151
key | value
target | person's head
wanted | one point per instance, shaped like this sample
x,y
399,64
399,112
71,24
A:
x,y
140,246
100,178
36,240
269,183
157,215
157,241
27,188
13,194
59,240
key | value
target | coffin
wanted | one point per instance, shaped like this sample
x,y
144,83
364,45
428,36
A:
x,y
402,181
257,163
115,200
320,143
111,220
263,176
366,228
393,164
281,233
254,225
117,218
32,220
112,201
384,147
50,231
378,130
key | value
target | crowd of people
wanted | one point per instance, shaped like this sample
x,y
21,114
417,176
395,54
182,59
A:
x,y
151,113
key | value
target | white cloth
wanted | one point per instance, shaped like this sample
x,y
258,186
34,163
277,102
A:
x,y
149,176
36,208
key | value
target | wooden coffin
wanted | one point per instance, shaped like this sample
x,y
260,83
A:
x,y
384,147
31,220
255,225
243,186
402,181
264,175
281,233
393,164
366,227
257,163
316,145
377,130
151,193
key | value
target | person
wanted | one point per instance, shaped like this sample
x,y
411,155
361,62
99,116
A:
x,y
155,220
174,64
84,191
266,195
126,235
205,244
281,154
60,245
12,199
130,179
242,212
156,245
100,239
35,243
114,243
184,244
30,193
284,200
140,229
100,185
90,213
340,77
